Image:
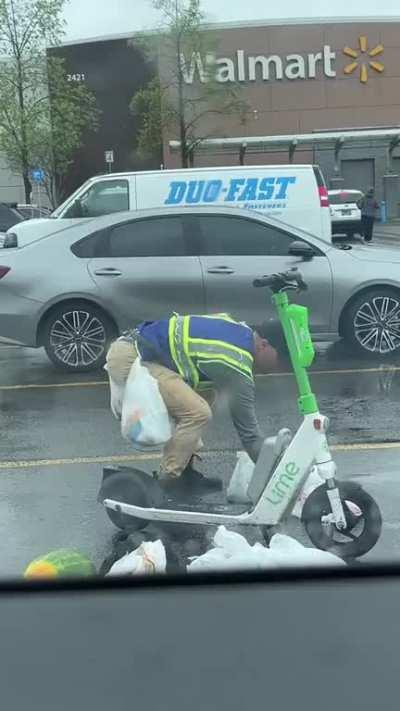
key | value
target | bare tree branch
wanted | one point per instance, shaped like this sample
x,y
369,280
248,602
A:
x,y
169,103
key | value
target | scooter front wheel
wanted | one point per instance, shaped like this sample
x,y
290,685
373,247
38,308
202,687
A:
x,y
363,517
130,486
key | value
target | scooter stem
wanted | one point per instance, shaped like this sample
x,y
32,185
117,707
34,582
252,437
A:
x,y
294,320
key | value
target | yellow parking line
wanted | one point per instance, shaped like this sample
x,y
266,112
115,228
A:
x,y
113,459
338,371
47,386
103,383
140,457
357,446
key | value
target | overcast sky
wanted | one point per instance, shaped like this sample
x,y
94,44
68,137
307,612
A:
x,y
93,18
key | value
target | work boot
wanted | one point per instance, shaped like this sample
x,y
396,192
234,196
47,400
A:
x,y
170,484
194,480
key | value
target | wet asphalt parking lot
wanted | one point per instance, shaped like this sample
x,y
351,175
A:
x,y
57,432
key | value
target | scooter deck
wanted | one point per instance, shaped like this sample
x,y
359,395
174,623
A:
x,y
201,506
127,486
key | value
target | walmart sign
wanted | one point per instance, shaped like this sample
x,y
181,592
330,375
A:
x,y
235,190
246,68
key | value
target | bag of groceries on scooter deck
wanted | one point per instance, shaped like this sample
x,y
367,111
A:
x,y
144,422
298,318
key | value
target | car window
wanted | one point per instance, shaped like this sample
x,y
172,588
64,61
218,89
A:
x,y
147,238
92,246
345,197
220,235
102,198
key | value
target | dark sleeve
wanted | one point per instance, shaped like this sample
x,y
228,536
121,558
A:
x,y
240,393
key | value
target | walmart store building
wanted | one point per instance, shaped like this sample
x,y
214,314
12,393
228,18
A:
x,y
324,92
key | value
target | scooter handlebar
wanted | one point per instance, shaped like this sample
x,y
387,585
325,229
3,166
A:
x,y
264,281
291,279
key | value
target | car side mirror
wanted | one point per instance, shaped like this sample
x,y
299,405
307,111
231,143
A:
x,y
302,249
75,210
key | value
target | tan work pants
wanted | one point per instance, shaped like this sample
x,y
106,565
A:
x,y
190,411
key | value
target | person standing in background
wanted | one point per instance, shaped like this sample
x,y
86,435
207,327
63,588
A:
x,y
368,206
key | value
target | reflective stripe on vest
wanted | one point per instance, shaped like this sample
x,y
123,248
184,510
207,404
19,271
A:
x,y
178,343
188,352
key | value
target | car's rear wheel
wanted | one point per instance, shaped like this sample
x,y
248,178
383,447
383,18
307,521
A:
x,y
372,322
76,336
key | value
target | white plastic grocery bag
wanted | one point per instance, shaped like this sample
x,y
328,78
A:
x,y
149,558
290,553
240,479
116,396
145,421
233,552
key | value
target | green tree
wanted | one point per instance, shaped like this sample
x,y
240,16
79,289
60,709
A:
x,y
70,112
174,101
34,91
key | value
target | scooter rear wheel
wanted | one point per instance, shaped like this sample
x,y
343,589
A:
x,y
130,486
364,521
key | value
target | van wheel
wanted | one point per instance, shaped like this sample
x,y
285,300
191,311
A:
x,y
372,322
76,336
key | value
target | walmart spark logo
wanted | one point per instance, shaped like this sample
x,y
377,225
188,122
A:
x,y
364,59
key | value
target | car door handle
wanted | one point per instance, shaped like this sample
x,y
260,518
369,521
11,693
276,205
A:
x,y
220,270
108,271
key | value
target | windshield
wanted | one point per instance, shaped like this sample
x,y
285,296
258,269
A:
x,y
71,199
200,349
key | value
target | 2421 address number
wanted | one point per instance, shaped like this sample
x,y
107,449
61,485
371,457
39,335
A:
x,y
76,77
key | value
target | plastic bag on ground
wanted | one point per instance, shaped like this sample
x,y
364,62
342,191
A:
x,y
240,479
290,553
233,552
145,422
124,542
149,558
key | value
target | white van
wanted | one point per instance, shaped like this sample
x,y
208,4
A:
x,y
296,194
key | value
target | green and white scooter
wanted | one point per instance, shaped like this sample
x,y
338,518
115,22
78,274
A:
x,y
338,516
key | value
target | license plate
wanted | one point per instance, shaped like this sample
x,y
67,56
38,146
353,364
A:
x,y
346,212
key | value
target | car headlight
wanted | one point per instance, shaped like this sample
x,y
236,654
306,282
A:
x,y
10,240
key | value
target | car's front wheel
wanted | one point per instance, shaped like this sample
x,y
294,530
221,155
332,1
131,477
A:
x,y
372,322
76,336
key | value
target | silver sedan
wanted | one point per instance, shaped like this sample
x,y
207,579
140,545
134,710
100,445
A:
x,y
77,287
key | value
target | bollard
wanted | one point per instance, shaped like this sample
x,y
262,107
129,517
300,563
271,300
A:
x,y
383,214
